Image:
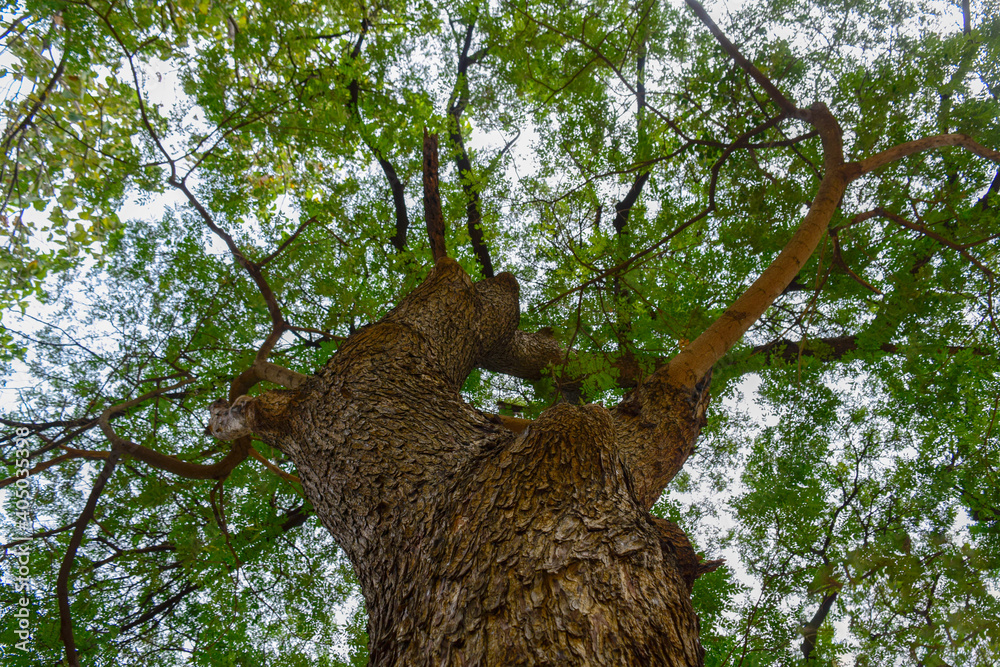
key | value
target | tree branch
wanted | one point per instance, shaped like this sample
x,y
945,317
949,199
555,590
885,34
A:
x,y
398,240
279,375
624,207
62,581
165,462
277,319
838,259
903,222
927,143
693,362
288,477
433,215
398,200
36,106
811,629
286,242
456,106
787,107
68,456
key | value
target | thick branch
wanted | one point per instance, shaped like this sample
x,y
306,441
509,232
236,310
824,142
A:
x,y
624,207
433,215
838,347
62,581
658,423
279,375
811,629
395,184
398,201
458,102
786,105
692,363
927,143
163,461
534,356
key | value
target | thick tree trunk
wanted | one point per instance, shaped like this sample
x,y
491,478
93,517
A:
x,y
475,545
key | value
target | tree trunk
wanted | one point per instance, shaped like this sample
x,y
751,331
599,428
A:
x,y
475,545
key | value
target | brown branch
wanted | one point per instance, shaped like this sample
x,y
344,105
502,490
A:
x,y
811,629
838,259
903,222
242,383
62,581
288,477
287,242
166,605
693,362
787,107
658,423
354,87
279,375
433,215
68,456
398,240
927,143
456,106
165,462
624,207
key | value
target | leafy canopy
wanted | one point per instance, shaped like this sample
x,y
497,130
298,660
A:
x,y
193,186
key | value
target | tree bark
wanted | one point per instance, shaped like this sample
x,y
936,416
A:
x,y
473,544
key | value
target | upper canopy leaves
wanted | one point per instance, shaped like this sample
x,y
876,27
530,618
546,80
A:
x,y
630,174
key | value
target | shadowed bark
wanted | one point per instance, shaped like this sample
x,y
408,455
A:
x,y
474,544
433,215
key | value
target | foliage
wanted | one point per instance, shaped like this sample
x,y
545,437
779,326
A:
x,y
867,464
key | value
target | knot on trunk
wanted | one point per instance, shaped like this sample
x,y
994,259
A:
x,y
228,422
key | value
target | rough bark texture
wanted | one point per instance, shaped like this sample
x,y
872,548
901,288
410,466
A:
x,y
475,545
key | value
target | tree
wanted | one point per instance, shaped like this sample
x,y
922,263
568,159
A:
x,y
807,196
